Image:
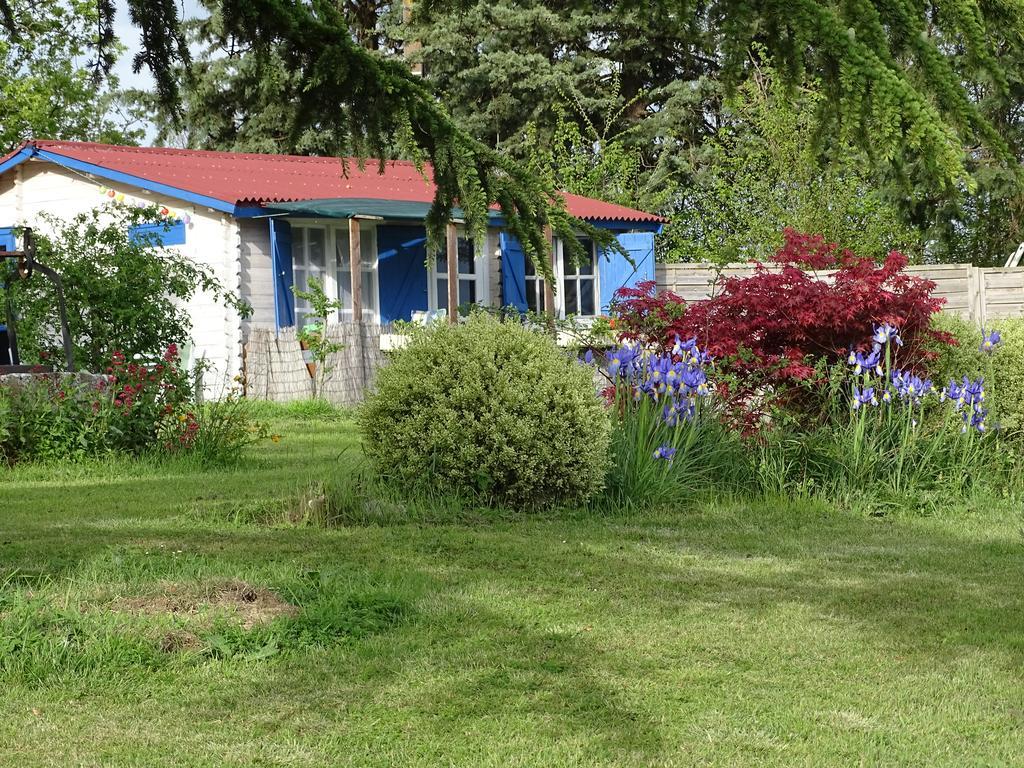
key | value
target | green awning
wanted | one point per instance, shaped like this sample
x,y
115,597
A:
x,y
354,207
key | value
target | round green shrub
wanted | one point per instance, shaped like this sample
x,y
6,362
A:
x,y
489,410
1003,370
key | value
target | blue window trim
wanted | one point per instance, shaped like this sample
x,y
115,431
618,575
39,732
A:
x,y
159,233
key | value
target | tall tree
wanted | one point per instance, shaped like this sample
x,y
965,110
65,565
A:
x,y
762,172
49,85
896,79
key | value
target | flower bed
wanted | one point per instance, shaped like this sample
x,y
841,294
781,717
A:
x,y
133,407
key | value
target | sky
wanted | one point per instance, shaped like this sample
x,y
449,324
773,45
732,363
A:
x,y
129,35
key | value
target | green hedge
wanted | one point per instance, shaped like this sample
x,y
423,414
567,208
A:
x,y
1003,370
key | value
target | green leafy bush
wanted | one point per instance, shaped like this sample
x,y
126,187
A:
x,y
124,292
490,410
1003,370
133,408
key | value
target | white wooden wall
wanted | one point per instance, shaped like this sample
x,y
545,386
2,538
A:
x,y
257,271
978,294
37,187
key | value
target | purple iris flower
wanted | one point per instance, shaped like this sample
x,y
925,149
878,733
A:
x,y
990,341
864,396
871,361
681,347
665,452
911,387
621,361
886,333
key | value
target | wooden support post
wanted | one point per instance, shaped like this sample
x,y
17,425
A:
x,y
355,262
549,287
453,274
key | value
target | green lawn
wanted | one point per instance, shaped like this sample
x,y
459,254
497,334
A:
x,y
730,634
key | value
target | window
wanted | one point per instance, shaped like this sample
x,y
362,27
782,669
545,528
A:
x,y
309,259
368,263
472,276
321,251
579,284
535,298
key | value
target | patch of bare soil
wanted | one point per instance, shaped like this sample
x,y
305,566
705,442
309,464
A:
x,y
251,605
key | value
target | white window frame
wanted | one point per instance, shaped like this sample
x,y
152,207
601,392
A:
x,y
301,263
337,231
535,285
578,278
480,275
368,246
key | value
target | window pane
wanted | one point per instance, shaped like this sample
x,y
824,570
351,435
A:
x,y
529,267
367,246
342,274
442,293
369,296
441,264
588,248
467,261
341,249
571,307
315,239
345,292
531,295
467,292
587,306
568,267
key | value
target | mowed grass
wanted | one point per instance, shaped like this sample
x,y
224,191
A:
x,y
729,633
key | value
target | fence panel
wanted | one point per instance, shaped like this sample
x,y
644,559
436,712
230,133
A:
x,y
275,369
976,294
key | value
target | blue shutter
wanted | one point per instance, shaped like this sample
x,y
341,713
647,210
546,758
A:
x,y
158,233
616,272
281,262
513,272
8,242
402,271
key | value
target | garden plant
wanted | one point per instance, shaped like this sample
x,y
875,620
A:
x,y
134,408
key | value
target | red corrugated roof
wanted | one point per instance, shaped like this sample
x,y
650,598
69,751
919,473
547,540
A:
x,y
242,178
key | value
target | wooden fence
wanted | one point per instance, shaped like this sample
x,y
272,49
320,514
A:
x,y
275,368
977,294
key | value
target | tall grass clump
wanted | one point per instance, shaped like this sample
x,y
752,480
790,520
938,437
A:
x,y
490,411
668,438
895,434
